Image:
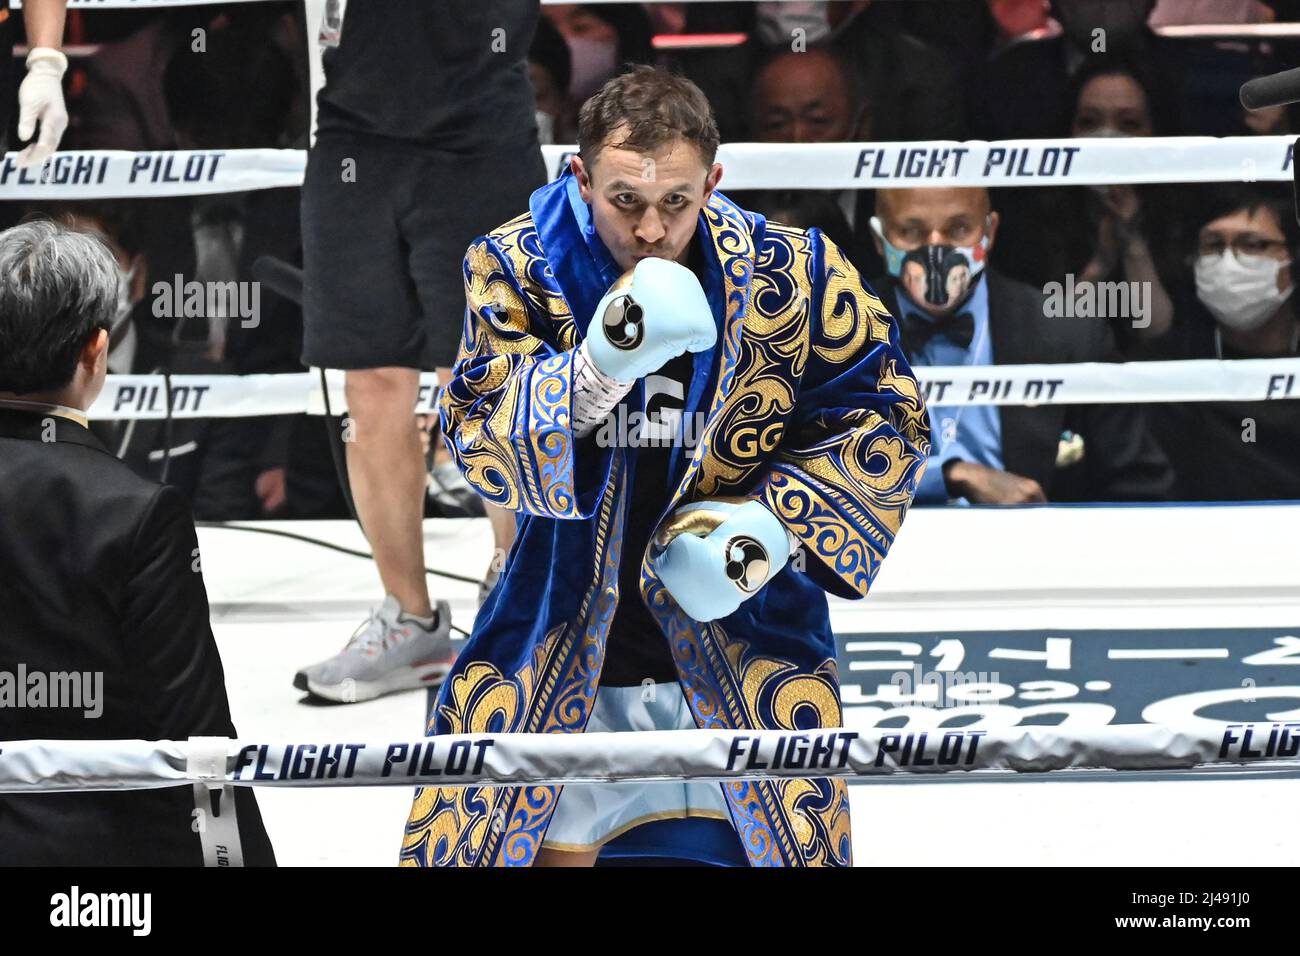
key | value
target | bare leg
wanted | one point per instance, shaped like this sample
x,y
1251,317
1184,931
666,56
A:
x,y
386,469
549,857
440,453
503,533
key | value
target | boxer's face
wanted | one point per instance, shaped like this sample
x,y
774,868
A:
x,y
646,204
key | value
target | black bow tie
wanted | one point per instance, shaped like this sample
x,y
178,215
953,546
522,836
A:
x,y
959,328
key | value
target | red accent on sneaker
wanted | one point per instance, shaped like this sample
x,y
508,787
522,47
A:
x,y
448,661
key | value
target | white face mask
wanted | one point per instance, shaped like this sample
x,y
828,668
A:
x,y
593,62
122,343
545,128
1240,291
124,303
777,22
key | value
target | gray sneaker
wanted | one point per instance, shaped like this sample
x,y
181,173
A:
x,y
487,584
384,656
452,493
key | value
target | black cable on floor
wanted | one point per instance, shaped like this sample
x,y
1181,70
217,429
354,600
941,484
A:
x,y
352,552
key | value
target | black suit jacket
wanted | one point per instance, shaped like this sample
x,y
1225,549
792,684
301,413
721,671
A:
x,y
1121,461
99,573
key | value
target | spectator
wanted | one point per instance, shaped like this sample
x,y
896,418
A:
x,y
1240,306
914,88
237,93
602,39
1110,233
815,97
99,573
204,458
808,97
1125,221
961,312
1020,91
550,70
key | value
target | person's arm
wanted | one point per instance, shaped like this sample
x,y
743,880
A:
x,y
40,97
43,22
1140,267
983,485
933,488
166,628
507,411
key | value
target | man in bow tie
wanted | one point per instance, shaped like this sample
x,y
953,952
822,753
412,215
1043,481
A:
x,y
953,309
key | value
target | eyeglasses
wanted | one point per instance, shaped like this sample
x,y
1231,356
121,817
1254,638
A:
x,y
1243,245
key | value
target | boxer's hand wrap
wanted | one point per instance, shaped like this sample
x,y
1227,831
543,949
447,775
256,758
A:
x,y
594,393
713,555
653,314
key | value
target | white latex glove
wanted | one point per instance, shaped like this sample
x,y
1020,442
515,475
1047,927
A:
x,y
40,97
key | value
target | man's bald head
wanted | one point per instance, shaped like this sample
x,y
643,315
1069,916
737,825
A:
x,y
947,215
933,241
808,97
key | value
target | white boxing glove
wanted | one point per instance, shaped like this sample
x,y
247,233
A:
x,y
652,314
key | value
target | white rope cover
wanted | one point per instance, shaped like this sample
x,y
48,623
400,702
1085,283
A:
x,y
649,756
1200,380
113,173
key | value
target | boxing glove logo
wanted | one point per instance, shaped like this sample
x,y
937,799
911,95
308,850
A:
x,y
747,563
623,323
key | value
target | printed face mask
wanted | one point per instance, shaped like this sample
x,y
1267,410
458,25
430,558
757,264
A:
x,y
1240,291
938,277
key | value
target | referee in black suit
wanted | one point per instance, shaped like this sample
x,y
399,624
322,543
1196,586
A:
x,y
99,577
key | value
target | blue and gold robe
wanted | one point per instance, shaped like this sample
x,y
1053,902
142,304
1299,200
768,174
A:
x,y
810,407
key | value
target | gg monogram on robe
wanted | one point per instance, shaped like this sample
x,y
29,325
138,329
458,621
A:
x,y
811,408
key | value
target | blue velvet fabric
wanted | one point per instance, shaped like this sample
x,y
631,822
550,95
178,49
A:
x,y
810,408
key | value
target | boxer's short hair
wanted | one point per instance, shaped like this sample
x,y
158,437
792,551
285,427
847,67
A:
x,y
655,106
57,287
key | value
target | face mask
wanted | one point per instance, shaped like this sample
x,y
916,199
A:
x,y
1123,21
777,23
1101,132
545,128
1240,291
121,343
124,303
594,62
939,277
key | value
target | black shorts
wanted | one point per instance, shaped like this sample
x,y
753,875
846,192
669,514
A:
x,y
382,255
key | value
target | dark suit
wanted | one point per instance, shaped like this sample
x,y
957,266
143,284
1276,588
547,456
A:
x,y
99,573
1121,461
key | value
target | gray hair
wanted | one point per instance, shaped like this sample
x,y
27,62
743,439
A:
x,y
57,285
